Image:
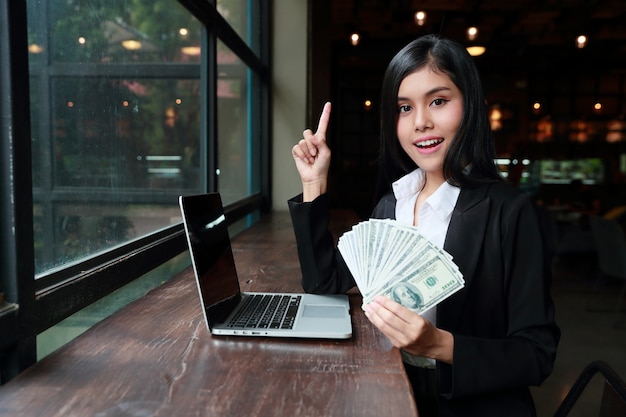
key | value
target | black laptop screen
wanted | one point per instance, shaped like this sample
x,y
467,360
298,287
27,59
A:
x,y
211,254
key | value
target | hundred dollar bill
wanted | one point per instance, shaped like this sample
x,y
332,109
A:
x,y
422,288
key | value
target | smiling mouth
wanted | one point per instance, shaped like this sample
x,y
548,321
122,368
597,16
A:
x,y
428,143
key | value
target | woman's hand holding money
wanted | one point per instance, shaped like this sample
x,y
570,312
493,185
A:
x,y
409,331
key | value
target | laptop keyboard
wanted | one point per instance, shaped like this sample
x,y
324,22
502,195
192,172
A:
x,y
267,311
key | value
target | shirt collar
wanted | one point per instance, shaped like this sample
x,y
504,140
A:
x,y
442,201
409,185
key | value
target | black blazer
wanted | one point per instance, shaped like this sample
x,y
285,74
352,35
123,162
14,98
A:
x,y
505,336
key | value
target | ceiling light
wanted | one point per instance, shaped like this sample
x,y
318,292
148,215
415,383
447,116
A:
x,y
35,49
131,44
420,18
191,50
476,50
355,38
495,118
581,41
472,33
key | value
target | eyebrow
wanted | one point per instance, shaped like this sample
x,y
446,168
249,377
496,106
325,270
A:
x,y
430,92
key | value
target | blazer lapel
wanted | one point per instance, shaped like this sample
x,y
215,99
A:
x,y
386,208
464,241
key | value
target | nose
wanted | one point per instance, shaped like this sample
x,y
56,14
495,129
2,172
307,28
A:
x,y
422,120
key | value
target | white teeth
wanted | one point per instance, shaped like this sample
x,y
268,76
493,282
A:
x,y
430,142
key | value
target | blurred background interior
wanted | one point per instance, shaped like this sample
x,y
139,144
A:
x,y
554,74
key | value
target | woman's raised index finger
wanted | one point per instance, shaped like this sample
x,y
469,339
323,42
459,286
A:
x,y
324,119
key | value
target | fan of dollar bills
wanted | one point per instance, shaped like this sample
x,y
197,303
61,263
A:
x,y
394,260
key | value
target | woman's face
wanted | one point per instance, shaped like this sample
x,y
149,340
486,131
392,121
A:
x,y
430,108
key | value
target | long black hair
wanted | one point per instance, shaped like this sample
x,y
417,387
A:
x,y
473,144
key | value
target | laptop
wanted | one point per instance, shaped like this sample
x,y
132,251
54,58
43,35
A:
x,y
229,311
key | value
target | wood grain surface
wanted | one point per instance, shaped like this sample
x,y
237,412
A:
x,y
155,357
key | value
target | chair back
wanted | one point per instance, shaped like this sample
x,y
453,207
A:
x,y
613,400
611,246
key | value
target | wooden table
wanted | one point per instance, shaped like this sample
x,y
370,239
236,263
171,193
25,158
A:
x,y
155,357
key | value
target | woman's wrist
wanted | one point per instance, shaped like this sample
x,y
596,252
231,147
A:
x,y
443,350
312,190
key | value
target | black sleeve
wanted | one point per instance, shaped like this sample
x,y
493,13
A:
x,y
323,269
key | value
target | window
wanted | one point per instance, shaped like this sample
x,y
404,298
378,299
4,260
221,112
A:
x,y
131,104
238,134
115,102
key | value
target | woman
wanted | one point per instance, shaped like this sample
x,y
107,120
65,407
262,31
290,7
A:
x,y
478,352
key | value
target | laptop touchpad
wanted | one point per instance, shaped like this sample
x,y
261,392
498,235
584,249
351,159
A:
x,y
320,311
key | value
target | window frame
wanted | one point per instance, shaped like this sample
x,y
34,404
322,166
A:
x,y
55,296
